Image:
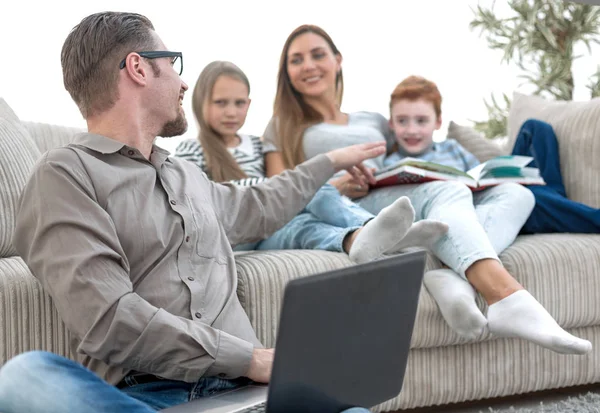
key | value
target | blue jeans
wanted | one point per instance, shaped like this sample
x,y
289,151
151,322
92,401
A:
x,y
553,211
322,225
42,382
481,224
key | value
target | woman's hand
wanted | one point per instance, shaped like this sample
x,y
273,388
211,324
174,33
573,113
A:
x,y
350,186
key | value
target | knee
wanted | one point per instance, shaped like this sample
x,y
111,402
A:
x,y
537,125
16,374
522,196
24,363
452,190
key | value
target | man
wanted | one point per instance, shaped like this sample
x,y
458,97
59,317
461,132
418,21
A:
x,y
134,246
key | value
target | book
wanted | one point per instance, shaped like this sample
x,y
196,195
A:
x,y
509,168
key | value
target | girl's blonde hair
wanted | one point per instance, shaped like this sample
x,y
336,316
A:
x,y
293,115
220,164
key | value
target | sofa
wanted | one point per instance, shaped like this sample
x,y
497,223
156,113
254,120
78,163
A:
x,y
561,270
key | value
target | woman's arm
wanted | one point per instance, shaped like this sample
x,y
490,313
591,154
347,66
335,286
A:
x,y
274,164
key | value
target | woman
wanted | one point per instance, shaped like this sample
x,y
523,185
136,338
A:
x,y
308,121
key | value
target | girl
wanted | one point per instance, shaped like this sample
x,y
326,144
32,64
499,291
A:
x,y
308,121
329,222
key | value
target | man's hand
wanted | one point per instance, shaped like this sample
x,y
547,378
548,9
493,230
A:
x,y
350,158
261,365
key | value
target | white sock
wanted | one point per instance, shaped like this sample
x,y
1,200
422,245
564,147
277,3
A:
x,y
521,315
383,232
455,298
424,234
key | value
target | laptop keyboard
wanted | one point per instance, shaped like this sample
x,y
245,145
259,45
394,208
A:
x,y
257,408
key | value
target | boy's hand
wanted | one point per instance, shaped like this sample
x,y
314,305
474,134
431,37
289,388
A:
x,y
350,158
349,186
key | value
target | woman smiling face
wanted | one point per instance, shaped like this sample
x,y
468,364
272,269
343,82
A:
x,y
312,66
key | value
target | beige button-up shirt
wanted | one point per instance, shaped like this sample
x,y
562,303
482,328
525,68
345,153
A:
x,y
137,257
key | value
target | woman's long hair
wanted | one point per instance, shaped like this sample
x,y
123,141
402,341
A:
x,y
220,165
293,115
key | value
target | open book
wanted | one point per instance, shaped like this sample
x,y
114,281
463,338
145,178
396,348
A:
x,y
510,168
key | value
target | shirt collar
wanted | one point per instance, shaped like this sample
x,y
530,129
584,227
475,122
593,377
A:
x,y
98,143
106,145
245,145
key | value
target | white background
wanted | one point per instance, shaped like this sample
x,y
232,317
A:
x,y
382,41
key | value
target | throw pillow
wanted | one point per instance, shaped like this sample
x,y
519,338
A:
x,y
484,149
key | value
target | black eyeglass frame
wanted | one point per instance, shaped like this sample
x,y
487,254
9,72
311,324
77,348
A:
x,y
155,54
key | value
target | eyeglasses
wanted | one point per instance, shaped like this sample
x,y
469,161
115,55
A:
x,y
176,59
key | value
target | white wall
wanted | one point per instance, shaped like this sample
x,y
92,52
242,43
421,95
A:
x,y
382,42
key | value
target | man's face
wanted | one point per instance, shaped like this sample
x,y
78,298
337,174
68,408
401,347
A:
x,y
169,90
413,123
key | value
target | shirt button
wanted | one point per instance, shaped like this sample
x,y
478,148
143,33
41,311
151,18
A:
x,y
198,315
173,202
131,153
187,239
191,278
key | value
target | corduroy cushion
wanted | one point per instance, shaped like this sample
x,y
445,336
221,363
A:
x,y
48,136
484,149
577,127
558,269
18,154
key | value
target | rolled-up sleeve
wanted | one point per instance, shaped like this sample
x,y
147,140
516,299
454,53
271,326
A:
x,y
70,243
252,213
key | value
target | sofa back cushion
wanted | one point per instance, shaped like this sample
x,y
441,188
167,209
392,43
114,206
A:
x,y
48,137
577,127
18,154
484,149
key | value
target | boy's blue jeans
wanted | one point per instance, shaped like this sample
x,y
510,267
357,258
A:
x,y
42,382
322,225
553,211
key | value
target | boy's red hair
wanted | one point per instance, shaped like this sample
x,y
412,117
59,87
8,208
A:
x,y
416,87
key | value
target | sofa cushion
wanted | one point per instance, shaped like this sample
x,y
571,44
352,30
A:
x,y
18,154
560,270
48,136
6,112
28,319
577,127
484,149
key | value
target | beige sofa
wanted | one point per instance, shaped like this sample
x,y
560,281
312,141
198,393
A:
x,y
560,270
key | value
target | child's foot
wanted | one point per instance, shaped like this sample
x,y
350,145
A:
x,y
521,315
455,298
383,232
424,234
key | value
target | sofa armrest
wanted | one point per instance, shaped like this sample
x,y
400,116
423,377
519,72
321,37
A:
x,y
28,319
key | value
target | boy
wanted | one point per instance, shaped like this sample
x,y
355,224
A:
x,y
415,113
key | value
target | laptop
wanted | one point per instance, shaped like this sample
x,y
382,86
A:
x,y
343,341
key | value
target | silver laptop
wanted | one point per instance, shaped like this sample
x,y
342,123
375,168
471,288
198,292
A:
x,y
343,341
